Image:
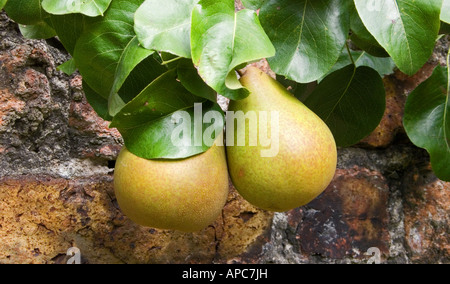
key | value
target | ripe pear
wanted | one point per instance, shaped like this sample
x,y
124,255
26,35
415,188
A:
x,y
307,155
185,195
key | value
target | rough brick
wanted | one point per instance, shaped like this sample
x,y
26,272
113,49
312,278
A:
x,y
427,216
42,217
91,134
8,104
246,230
46,125
350,217
56,188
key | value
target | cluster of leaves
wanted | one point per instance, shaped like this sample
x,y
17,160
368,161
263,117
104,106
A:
x,y
142,61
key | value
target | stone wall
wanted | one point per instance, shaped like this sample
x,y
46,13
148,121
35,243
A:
x,y
57,165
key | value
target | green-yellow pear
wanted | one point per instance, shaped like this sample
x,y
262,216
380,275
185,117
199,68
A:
x,y
185,195
303,158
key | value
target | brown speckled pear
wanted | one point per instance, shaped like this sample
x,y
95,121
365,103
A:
x,y
307,154
185,195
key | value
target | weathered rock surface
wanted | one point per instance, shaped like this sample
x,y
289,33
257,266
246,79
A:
x,y
427,216
46,124
42,217
56,192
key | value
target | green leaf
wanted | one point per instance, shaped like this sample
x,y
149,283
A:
x,y
98,103
143,74
104,44
222,40
189,78
132,55
91,8
351,101
69,29
427,120
308,36
445,11
25,12
383,65
165,27
155,139
147,122
406,29
362,38
68,67
299,90
445,28
40,30
163,96
2,3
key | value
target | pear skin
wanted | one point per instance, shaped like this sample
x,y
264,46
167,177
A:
x,y
305,162
185,195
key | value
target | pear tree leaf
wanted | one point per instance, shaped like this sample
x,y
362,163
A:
x,y
98,103
102,47
362,38
69,28
427,120
41,30
307,34
351,101
25,12
143,74
299,90
222,40
445,11
165,27
91,8
383,65
149,121
132,55
68,67
407,30
161,97
189,78
180,135
445,28
2,3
